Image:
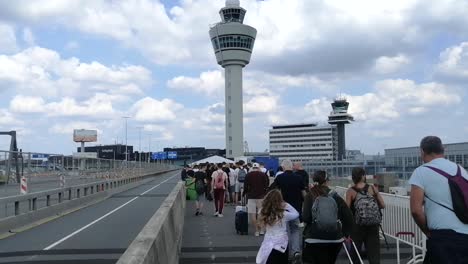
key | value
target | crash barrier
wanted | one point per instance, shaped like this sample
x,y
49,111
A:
x,y
23,210
160,241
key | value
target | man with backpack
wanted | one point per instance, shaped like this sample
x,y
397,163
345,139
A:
x,y
240,174
439,204
200,188
365,202
328,221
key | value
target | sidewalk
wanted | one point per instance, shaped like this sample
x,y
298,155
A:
x,y
209,239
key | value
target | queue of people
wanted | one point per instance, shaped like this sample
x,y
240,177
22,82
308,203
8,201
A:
x,y
311,223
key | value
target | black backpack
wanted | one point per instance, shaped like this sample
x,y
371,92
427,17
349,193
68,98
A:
x,y
459,192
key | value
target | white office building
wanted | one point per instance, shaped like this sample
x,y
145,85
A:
x,y
304,142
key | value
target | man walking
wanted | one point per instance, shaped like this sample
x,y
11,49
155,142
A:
x,y
293,190
255,187
433,208
298,169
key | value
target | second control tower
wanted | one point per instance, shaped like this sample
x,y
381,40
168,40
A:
x,y
233,43
340,118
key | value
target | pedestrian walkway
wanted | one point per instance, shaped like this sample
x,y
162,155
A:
x,y
208,239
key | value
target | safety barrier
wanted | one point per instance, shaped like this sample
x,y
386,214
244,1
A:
x,y
21,210
160,241
396,218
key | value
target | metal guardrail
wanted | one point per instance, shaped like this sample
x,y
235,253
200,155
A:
x,y
22,204
396,218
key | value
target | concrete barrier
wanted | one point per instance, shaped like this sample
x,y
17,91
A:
x,y
160,241
97,192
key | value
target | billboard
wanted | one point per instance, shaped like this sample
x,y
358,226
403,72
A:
x,y
171,155
83,135
159,155
85,155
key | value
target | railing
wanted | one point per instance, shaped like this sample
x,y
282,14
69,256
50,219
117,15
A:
x,y
397,218
21,204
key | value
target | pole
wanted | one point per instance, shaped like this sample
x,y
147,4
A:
x,y
126,139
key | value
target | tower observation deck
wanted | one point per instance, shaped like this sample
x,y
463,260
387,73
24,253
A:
x,y
233,43
340,117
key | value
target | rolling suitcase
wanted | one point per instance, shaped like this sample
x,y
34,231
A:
x,y
242,218
352,245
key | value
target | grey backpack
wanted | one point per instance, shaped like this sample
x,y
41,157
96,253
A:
x,y
367,212
326,223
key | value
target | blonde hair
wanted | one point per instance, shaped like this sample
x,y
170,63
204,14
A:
x,y
272,208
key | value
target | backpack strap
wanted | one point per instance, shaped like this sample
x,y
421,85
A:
x,y
446,207
446,175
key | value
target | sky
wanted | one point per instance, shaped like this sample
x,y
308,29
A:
x,y
81,64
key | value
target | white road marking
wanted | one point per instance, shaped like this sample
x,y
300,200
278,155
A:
x,y
104,216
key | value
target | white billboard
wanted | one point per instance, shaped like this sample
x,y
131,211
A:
x,y
85,155
83,135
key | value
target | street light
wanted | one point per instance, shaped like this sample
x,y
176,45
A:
x,y
126,139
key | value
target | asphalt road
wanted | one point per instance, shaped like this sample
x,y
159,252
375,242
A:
x,y
97,234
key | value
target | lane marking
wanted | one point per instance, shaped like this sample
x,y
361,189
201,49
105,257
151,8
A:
x,y
104,216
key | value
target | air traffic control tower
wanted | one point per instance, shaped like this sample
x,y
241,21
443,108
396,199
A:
x,y
340,118
233,43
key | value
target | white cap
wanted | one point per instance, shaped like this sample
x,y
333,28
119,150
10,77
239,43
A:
x,y
230,3
255,165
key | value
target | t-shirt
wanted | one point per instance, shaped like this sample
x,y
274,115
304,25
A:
x,y
291,186
232,177
200,176
304,175
256,184
436,187
215,176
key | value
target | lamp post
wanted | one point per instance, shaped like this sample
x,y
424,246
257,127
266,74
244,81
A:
x,y
126,139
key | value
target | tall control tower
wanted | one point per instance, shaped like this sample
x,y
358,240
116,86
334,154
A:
x,y
340,118
233,43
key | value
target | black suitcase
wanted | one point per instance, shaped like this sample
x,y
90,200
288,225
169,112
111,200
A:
x,y
242,219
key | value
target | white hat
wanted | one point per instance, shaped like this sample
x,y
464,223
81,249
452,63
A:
x,y
255,165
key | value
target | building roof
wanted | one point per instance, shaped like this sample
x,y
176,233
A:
x,y
295,126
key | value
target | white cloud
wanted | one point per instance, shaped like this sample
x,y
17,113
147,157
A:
x,y
7,119
39,71
386,65
68,127
7,39
454,63
209,83
149,109
261,104
27,104
294,36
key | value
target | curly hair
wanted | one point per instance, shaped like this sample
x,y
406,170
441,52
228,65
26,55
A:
x,y
272,208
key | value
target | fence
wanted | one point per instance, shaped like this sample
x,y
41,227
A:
x,y
397,218
47,171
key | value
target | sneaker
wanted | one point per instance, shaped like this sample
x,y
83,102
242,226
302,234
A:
x,y
301,225
197,213
220,215
262,233
257,234
200,213
216,214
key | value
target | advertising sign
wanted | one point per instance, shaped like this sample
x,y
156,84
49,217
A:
x,y
172,155
85,155
83,135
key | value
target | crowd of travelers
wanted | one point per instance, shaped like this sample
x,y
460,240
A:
x,y
305,222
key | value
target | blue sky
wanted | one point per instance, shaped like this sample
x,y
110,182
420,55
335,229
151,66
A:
x,y
403,66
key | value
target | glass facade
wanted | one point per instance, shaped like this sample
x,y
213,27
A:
x,y
233,41
233,15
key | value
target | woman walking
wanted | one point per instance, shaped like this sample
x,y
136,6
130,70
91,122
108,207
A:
x,y
218,187
328,221
274,217
365,201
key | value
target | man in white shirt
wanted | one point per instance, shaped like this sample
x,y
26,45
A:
x,y
432,206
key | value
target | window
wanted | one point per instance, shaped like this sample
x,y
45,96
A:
x,y
233,41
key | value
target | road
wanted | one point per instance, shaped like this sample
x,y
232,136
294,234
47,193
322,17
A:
x,y
98,234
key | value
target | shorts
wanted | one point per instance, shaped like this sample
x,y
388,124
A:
x,y
231,188
254,206
201,197
239,187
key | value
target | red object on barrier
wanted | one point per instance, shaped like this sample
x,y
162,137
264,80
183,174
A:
x,y
24,185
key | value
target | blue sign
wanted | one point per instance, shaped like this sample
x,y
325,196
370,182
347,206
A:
x,y
172,155
159,155
39,156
